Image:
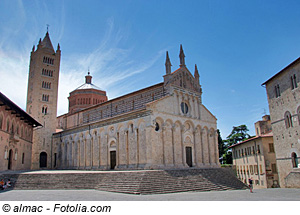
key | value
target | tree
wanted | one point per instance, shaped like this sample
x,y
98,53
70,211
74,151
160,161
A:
x,y
221,144
237,135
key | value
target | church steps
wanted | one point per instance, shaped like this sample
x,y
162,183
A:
x,y
134,182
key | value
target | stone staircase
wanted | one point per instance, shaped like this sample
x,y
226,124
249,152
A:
x,y
171,181
133,182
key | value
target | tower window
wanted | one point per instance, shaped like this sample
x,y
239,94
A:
x,y
48,60
45,98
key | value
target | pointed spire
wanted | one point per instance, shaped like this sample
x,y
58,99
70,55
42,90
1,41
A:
x,y
33,48
58,47
168,64
47,42
196,74
181,57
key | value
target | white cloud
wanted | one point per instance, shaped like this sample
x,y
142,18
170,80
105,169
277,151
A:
x,y
109,64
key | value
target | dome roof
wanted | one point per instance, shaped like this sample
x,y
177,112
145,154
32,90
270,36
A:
x,y
88,84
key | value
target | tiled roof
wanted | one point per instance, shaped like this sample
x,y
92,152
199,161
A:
x,y
270,134
18,111
291,64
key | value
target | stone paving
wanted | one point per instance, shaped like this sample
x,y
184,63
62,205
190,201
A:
x,y
278,194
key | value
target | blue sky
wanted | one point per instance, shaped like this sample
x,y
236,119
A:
x,y
237,45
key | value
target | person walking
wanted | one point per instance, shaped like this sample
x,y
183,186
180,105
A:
x,y
250,185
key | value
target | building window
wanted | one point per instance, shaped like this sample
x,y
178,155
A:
x,y
288,119
293,82
274,168
298,113
1,120
45,98
48,60
260,169
256,169
156,126
184,108
271,147
258,149
23,158
294,160
7,126
44,110
277,91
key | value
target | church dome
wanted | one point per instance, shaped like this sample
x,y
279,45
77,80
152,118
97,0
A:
x,y
86,96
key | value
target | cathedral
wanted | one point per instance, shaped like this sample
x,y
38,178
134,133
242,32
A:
x,y
164,126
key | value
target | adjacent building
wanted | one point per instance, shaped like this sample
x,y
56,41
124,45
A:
x,y
16,131
283,94
255,158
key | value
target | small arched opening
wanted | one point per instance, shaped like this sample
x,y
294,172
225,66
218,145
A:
x,y
294,160
43,159
10,159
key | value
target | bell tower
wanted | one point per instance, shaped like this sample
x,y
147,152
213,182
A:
x,y
42,95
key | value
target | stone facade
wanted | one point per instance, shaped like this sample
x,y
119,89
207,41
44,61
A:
x,y
16,131
159,127
255,158
42,99
284,103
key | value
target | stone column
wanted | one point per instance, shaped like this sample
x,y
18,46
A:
x,y
117,149
216,148
195,110
195,148
163,144
173,147
182,146
199,109
136,130
209,147
99,145
178,103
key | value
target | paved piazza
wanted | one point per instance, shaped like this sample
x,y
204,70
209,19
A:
x,y
278,194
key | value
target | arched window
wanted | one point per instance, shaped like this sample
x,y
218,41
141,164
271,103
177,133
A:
x,y
293,82
7,126
1,120
294,160
288,119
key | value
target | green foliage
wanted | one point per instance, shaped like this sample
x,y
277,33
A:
x,y
237,135
221,144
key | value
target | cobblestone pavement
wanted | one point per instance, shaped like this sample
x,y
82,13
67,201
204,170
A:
x,y
278,194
